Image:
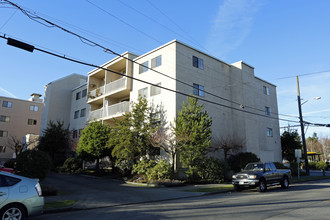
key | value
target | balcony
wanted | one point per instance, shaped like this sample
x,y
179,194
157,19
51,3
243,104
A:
x,y
111,111
116,88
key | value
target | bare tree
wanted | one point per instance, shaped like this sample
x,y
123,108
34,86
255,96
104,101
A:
x,y
228,145
325,142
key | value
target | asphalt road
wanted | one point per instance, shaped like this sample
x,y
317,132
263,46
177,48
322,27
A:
x,y
310,200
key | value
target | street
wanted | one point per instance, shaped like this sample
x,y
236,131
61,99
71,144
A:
x,y
309,200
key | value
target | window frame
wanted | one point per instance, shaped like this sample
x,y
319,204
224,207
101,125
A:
x,y
32,121
76,114
269,132
34,108
83,112
268,110
144,67
7,104
198,62
145,92
3,132
4,118
154,90
84,93
156,61
198,90
78,95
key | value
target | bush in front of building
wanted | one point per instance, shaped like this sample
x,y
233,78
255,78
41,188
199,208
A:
x,y
71,165
238,161
33,164
151,171
10,163
214,170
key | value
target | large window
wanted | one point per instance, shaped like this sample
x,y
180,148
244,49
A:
x,y
266,90
78,95
269,132
144,67
4,118
83,112
3,133
198,90
32,122
143,92
267,110
7,104
34,108
198,63
76,114
154,90
157,61
84,93
2,149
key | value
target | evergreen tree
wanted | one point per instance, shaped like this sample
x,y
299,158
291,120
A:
x,y
193,131
56,142
290,141
93,142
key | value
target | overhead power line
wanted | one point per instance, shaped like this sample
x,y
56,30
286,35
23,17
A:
x,y
143,81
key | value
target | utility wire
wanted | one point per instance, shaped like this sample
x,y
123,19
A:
x,y
50,24
156,85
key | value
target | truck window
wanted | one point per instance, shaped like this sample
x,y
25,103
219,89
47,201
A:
x,y
267,167
273,167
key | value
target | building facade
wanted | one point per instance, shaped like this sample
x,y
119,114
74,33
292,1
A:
x,y
18,118
242,106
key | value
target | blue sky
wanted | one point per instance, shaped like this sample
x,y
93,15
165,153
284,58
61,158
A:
x,y
281,39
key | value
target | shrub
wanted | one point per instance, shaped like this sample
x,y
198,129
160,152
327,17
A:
x,y
321,165
279,165
214,170
10,163
125,166
239,161
161,171
34,164
71,165
143,166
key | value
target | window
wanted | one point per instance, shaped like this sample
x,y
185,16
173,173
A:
x,y
8,180
34,108
78,95
74,133
4,118
76,114
266,90
156,118
198,63
84,93
83,112
269,132
2,149
143,92
3,133
157,61
144,67
198,90
154,90
32,122
267,110
7,104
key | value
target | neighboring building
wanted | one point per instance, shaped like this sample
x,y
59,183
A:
x,y
238,91
18,118
79,112
58,100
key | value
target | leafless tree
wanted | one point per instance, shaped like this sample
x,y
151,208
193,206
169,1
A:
x,y
228,145
15,144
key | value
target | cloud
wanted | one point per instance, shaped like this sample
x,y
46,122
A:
x,y
231,25
7,92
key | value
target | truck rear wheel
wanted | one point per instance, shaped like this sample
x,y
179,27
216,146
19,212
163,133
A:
x,y
285,183
262,186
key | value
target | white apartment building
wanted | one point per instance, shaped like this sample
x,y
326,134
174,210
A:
x,y
58,100
244,107
18,118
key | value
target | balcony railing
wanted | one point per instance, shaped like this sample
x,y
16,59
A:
x,y
112,110
112,87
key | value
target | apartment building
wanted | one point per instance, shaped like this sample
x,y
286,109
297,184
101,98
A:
x,y
18,118
243,107
58,100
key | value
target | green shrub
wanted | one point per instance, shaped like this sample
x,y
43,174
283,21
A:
x,y
125,166
161,171
312,165
321,165
279,165
143,166
34,164
214,170
239,161
71,165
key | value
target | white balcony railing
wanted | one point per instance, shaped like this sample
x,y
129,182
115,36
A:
x,y
116,85
112,110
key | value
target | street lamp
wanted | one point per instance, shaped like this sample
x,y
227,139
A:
x,y
302,125
316,98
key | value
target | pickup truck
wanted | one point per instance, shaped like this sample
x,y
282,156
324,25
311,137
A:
x,y
259,175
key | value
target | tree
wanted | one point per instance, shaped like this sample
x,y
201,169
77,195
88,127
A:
x,y
56,142
313,144
290,141
325,141
15,144
131,134
193,132
227,145
93,142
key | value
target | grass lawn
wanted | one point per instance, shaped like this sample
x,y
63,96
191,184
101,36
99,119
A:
x,y
59,204
308,178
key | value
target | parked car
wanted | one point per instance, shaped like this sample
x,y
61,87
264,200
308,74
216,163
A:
x,y
5,169
260,175
19,196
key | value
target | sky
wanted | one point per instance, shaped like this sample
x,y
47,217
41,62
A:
x,y
281,39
